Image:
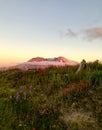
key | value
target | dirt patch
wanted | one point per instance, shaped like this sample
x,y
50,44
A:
x,y
79,116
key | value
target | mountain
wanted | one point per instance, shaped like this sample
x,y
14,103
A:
x,y
40,62
3,68
38,59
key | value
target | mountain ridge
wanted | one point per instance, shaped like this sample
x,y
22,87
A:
x,y
40,62
60,59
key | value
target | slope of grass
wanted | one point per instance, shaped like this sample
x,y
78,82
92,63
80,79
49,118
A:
x,y
51,99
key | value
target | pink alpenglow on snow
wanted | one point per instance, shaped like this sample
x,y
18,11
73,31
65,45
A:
x,y
40,62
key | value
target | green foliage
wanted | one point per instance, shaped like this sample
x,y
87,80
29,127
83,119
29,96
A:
x,y
54,93
96,78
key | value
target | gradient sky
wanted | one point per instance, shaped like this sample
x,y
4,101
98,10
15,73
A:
x,y
50,28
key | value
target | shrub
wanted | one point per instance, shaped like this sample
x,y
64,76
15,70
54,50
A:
x,y
96,78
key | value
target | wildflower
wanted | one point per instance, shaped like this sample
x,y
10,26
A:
x,y
30,88
69,86
74,97
33,129
65,91
81,85
24,94
20,89
87,83
20,123
46,112
17,96
10,97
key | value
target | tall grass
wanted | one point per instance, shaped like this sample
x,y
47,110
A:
x,y
41,99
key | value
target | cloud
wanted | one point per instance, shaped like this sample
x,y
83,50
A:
x,y
86,34
71,33
67,33
93,33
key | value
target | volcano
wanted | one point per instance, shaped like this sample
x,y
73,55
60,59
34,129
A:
x,y
40,62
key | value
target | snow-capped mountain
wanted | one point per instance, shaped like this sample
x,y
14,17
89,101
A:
x,y
40,62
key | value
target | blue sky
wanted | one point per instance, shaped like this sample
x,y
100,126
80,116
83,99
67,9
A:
x,y
50,28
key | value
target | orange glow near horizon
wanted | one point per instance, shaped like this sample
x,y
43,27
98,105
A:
x,y
27,31
6,62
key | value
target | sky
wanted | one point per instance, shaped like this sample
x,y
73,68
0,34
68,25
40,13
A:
x,y
50,28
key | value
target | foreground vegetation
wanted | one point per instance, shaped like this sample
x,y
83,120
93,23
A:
x,y
51,99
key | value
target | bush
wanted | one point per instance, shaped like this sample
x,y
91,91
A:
x,y
96,78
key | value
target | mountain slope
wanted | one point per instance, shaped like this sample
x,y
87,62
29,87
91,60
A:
x,y
40,62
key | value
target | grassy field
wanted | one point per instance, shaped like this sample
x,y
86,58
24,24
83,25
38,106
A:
x,y
51,99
